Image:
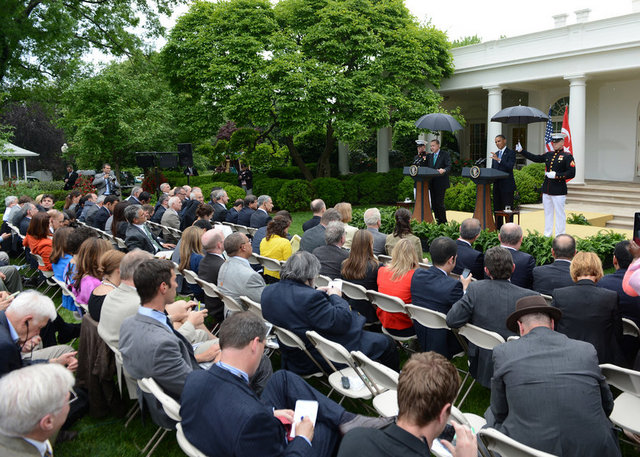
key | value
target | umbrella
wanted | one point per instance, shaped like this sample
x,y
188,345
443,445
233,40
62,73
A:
x,y
438,121
519,115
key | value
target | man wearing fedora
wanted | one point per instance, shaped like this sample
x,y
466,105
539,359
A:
x,y
547,390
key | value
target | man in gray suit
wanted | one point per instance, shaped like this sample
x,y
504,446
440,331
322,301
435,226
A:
x,y
314,237
373,220
487,304
170,218
547,390
106,182
236,277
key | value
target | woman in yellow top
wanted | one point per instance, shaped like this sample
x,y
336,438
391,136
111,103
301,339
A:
x,y
276,245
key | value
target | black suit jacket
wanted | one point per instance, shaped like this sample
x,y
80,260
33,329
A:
x,y
157,215
469,258
188,213
220,212
24,225
629,306
244,217
10,358
136,238
99,218
591,314
232,216
208,270
315,220
547,278
259,219
444,161
331,258
523,274
506,164
71,180
389,441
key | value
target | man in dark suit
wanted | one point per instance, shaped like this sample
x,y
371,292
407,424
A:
x,y
372,219
189,208
332,254
511,238
99,218
314,237
547,278
261,217
425,375
29,210
487,304
191,171
250,205
220,199
318,208
213,245
135,193
251,425
547,390
234,212
441,161
138,234
622,258
467,256
503,159
433,289
295,305
70,178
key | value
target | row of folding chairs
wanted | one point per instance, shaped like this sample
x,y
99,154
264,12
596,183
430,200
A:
x,y
249,231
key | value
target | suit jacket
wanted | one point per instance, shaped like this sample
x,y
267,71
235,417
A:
x,y
99,218
433,289
10,358
241,427
188,213
549,393
523,274
299,308
486,304
313,238
209,269
506,164
232,216
171,219
547,278
444,161
379,240
629,306
244,216
101,185
386,442
120,303
219,212
17,447
71,180
157,215
259,218
331,258
469,258
315,220
24,225
136,238
236,278
591,314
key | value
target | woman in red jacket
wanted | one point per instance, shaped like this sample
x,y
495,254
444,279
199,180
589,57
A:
x,y
38,239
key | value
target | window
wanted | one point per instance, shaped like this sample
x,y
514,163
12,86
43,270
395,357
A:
x,y
557,113
478,141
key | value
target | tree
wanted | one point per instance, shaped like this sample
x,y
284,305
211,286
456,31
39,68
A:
x,y
43,39
124,109
347,66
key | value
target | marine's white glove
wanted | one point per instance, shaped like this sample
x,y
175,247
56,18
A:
x,y
550,174
518,147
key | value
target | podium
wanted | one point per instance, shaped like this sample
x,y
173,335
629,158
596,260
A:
x,y
422,176
483,178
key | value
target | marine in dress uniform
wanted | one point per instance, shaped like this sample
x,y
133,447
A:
x,y
559,167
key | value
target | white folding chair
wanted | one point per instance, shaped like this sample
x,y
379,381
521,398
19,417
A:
x,y
390,304
252,306
385,259
507,447
473,421
252,231
627,405
482,338
630,328
48,275
268,263
548,298
169,405
322,281
242,229
384,381
190,276
185,445
290,339
354,291
84,309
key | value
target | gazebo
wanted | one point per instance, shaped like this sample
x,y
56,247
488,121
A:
x,y
10,156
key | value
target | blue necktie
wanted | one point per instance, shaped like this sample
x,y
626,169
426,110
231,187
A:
x,y
435,158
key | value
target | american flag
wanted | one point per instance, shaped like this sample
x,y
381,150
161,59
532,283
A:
x,y
548,144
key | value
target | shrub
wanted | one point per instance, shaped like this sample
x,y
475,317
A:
x,y
234,192
527,187
294,195
268,186
378,187
461,197
331,190
535,170
150,183
538,246
405,188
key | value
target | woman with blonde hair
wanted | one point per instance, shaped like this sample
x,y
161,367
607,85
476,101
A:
x,y
395,280
590,313
402,230
346,213
361,267
109,271
191,254
87,275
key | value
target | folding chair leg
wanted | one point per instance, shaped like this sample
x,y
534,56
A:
x,y
133,412
157,442
154,440
459,405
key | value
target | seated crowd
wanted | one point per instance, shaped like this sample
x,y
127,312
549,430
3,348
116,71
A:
x,y
126,261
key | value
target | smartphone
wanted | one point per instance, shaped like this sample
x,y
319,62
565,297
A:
x,y
636,228
465,273
448,434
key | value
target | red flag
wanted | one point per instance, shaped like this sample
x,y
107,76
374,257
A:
x,y
568,147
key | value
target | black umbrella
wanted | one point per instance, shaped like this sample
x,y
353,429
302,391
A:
x,y
520,115
438,121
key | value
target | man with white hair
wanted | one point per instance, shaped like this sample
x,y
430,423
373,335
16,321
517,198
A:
x,y
135,193
219,198
33,406
165,187
332,254
170,218
373,220
261,217
189,208
20,326
318,207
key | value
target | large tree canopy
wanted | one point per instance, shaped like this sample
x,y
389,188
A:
x,y
46,38
348,66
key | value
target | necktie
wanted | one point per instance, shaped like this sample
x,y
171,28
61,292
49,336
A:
x,y
155,244
500,154
435,159
180,336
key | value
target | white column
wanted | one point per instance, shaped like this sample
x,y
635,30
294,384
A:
x,y
494,104
343,157
577,122
24,165
1,174
384,137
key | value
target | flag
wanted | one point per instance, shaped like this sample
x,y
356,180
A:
x,y
568,146
548,144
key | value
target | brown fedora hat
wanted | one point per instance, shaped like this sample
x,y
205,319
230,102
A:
x,y
529,305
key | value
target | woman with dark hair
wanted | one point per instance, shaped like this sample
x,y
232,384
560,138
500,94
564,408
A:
x,y
203,214
361,267
71,201
401,231
38,241
119,224
86,277
275,244
109,271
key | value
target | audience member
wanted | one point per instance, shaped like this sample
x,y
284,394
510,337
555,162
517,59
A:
x,y
487,304
547,278
260,217
46,202
65,269
402,230
318,208
236,277
250,206
261,233
590,313
622,258
190,207
56,220
433,289
467,256
511,238
86,276
204,212
72,199
314,237
191,254
213,246
395,280
346,214
98,218
332,254
144,198
234,212
219,198
90,210
119,224
427,387
547,390
372,219
170,218
28,211
109,271
133,197
361,267
275,244
160,208
138,234
38,239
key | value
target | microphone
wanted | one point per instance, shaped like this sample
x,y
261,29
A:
x,y
481,161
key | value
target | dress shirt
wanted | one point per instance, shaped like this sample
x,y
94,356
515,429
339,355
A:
x,y
154,314
235,371
12,331
42,446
